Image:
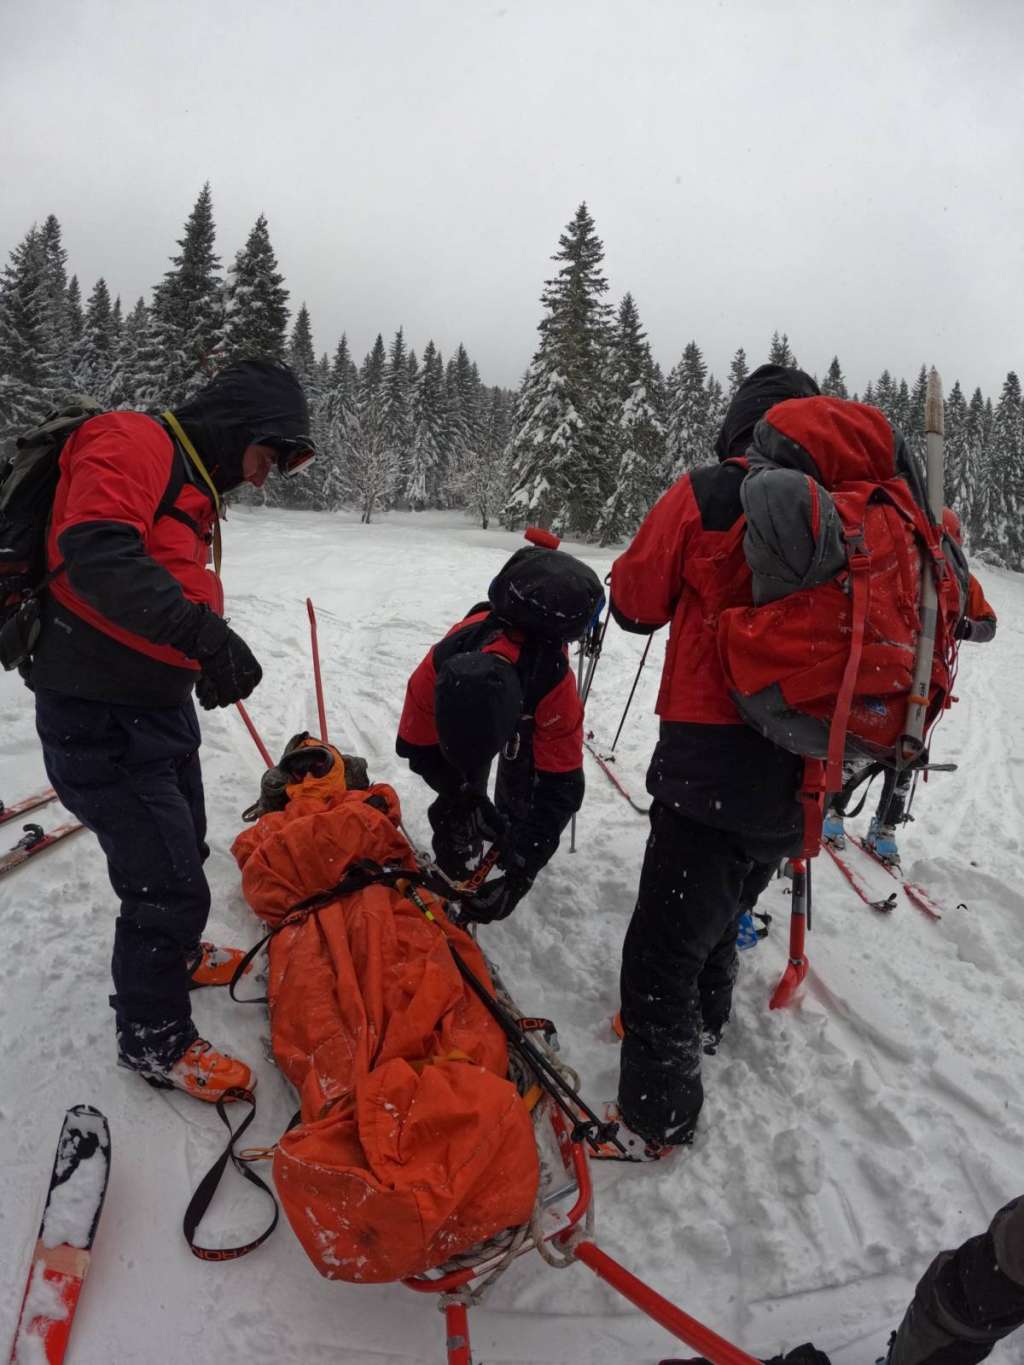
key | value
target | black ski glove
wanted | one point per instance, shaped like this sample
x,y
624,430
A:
x,y
496,899
229,668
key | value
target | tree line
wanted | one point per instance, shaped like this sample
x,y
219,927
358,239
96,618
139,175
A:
x,y
596,432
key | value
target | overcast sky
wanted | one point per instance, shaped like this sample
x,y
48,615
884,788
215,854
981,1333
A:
x,y
850,173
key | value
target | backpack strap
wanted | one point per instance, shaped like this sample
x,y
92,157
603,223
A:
x,y
859,564
193,455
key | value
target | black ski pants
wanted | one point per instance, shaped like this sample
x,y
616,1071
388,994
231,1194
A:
x,y
967,1299
679,965
132,776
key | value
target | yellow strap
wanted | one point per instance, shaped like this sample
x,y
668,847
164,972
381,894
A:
x,y
193,455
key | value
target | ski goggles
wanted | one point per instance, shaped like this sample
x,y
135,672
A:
x,y
292,454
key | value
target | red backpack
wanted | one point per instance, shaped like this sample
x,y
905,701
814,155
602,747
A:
x,y
836,541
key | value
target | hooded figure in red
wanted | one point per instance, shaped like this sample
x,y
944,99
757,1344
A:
x,y
132,620
725,807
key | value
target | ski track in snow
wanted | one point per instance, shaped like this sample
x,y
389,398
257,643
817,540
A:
x,y
844,1140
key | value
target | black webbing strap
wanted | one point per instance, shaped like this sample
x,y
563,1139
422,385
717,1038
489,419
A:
x,y
201,1200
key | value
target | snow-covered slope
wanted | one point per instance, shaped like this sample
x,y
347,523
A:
x,y
843,1142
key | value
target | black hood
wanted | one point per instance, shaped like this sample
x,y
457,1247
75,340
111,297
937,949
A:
x,y
243,404
768,385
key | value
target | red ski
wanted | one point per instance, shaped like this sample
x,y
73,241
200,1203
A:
x,y
33,841
60,1260
917,895
883,905
603,764
26,804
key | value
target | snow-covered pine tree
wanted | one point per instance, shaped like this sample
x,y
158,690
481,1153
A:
x,y
885,396
26,371
958,476
339,408
95,354
999,525
639,428
396,416
126,378
979,426
559,448
690,435
901,410
307,491
369,468
76,318
834,383
779,352
255,302
59,324
738,371
717,405
483,486
466,427
185,317
428,451
914,431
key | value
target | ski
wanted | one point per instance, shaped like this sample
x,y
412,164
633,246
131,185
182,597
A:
x,y
33,841
27,804
60,1260
883,906
914,893
602,763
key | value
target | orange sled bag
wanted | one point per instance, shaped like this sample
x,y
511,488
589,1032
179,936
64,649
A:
x,y
413,1144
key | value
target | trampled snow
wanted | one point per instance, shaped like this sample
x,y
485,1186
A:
x,y
843,1142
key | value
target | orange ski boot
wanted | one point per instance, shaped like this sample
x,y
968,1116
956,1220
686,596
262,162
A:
x,y
216,966
201,1071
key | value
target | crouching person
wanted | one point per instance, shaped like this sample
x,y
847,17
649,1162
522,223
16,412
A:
x,y
500,683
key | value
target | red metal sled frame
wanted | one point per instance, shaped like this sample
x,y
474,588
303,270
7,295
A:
x,y
666,1314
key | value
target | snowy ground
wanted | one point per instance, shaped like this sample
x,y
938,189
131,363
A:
x,y
844,1140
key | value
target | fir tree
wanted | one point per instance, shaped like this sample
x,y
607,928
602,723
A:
x,y
779,352
428,453
914,430
370,472
738,371
957,474
690,433
339,409
639,428
1000,521
76,318
834,384
186,314
484,481
465,437
126,377
255,301
559,447
396,415
27,388
95,355
979,425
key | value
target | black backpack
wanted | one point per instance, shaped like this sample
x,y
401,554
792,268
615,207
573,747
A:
x,y
28,483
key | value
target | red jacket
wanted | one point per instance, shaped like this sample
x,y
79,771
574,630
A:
x,y
556,711
132,526
684,566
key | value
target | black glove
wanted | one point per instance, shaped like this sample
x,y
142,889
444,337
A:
x,y
496,899
963,629
229,668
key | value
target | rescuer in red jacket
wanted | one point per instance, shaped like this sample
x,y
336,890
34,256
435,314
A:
x,y
500,683
132,621
725,807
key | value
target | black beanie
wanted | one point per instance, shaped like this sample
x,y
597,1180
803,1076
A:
x,y
478,700
761,390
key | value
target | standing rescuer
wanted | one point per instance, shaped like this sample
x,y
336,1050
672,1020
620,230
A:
x,y
725,807
130,624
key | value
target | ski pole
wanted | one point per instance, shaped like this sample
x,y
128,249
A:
x,y
264,752
316,670
579,689
629,699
